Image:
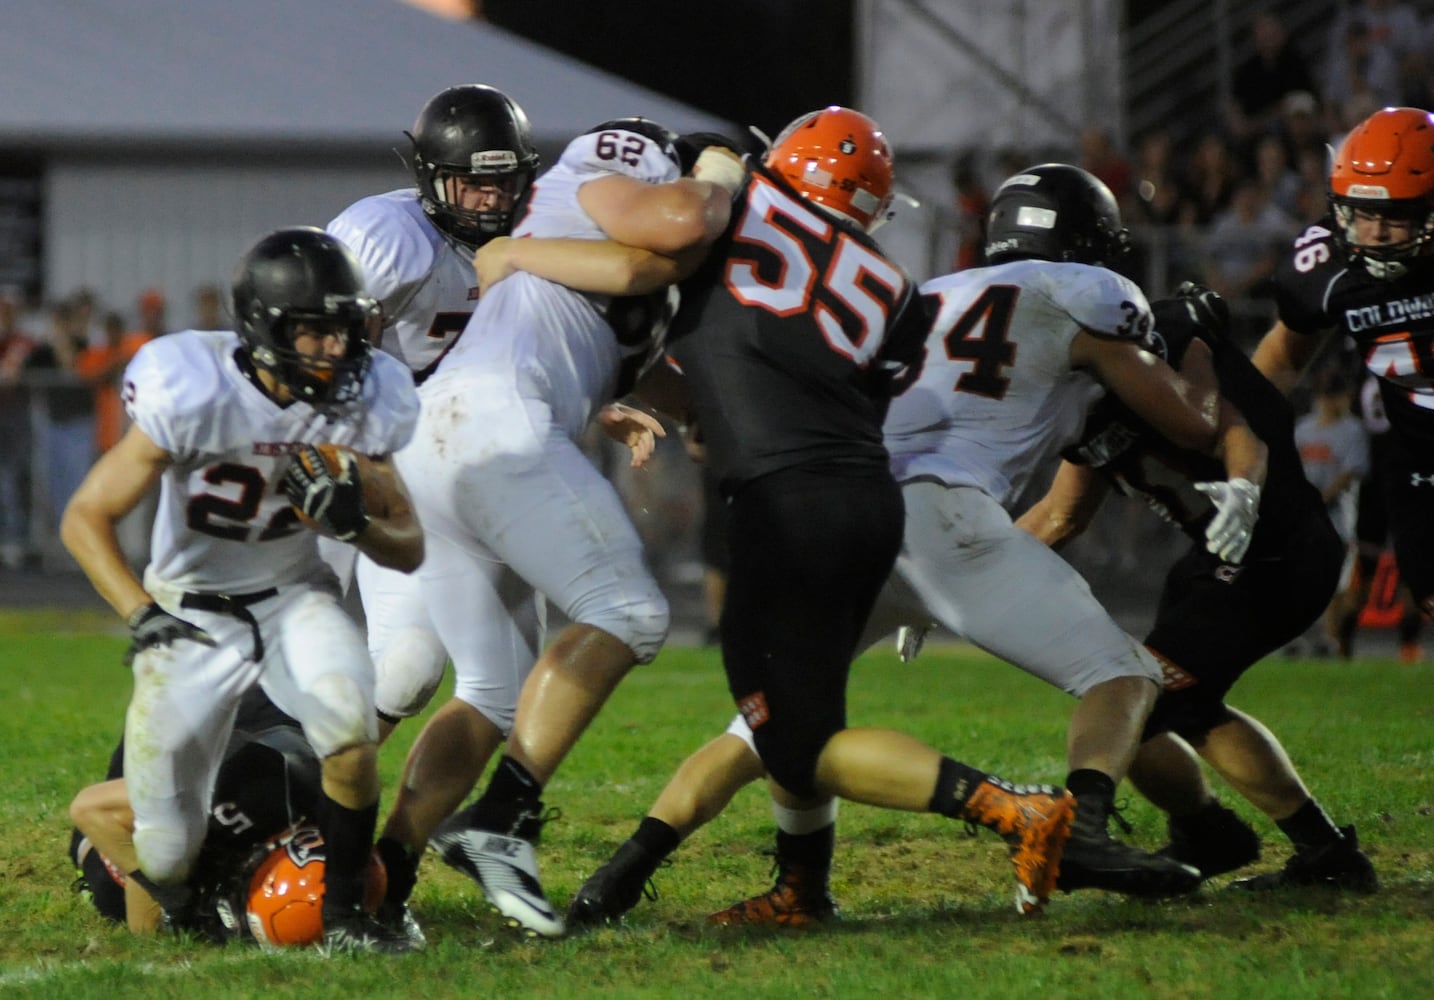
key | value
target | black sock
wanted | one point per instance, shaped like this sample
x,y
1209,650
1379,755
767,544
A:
x,y
1086,782
656,837
512,783
954,784
401,865
105,892
812,851
348,839
172,899
1309,826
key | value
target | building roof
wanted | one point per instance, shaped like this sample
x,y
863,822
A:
x,y
192,73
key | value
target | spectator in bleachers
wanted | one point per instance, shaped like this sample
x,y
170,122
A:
x,y
209,309
972,200
1275,69
66,431
15,348
1209,181
1100,155
1157,188
102,363
1282,185
1301,128
1242,248
1358,71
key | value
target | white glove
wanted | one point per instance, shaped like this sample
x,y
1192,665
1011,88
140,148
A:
x,y
1237,507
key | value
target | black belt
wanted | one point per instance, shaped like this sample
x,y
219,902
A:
x,y
235,605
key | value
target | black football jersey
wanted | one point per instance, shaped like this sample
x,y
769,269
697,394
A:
x,y
1140,462
1390,320
790,336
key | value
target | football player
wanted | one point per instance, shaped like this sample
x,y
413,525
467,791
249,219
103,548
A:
x,y
268,780
1016,353
473,160
1217,618
226,425
789,341
498,476
1366,271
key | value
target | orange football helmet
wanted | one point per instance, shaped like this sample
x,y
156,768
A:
x,y
286,891
839,159
1385,167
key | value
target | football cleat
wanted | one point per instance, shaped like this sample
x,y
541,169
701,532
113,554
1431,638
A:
x,y
1339,865
504,866
1096,860
398,917
350,931
1215,840
909,640
614,888
1035,822
799,899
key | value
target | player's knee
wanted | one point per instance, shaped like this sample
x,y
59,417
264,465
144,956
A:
x,y
791,757
640,622
408,672
167,854
338,714
499,708
1191,718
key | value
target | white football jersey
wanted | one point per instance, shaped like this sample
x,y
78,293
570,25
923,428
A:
x,y
425,282
997,397
222,524
555,341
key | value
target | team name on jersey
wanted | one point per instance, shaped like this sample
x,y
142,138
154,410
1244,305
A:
x,y
274,449
1389,313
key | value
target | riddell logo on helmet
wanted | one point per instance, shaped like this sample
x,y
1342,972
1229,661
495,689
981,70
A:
x,y
1368,191
488,159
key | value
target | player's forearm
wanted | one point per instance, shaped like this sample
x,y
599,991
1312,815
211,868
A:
x,y
599,266
90,537
1243,454
393,542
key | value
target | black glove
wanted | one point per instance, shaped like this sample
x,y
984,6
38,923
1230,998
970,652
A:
x,y
151,625
333,502
691,145
1207,307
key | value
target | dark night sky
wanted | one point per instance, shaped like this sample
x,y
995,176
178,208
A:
x,y
753,62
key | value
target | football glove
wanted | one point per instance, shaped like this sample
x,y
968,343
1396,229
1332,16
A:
x,y
1206,307
1237,507
332,500
151,626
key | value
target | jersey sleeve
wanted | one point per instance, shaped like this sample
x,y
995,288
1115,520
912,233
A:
x,y
1101,301
1303,275
167,390
618,152
385,242
391,407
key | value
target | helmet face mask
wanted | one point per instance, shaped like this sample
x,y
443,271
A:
x,y
473,160
304,283
1055,212
1381,190
838,159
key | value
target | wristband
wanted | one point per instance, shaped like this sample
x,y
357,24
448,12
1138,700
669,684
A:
x,y
718,167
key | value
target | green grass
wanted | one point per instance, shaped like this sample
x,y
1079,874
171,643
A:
x,y
927,909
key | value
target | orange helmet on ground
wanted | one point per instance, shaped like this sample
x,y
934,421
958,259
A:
x,y
286,891
839,159
1385,166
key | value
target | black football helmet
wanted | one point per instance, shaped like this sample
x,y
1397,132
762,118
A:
x,y
472,131
666,139
305,275
1057,212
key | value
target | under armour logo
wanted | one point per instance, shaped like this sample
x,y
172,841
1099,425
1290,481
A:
x,y
1421,479
1226,573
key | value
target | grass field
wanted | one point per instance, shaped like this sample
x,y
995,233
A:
x,y
927,909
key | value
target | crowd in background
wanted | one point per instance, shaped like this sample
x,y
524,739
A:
x,y
1213,199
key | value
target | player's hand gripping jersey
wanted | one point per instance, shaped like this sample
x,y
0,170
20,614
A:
x,y
790,337
424,280
223,525
997,397
561,344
